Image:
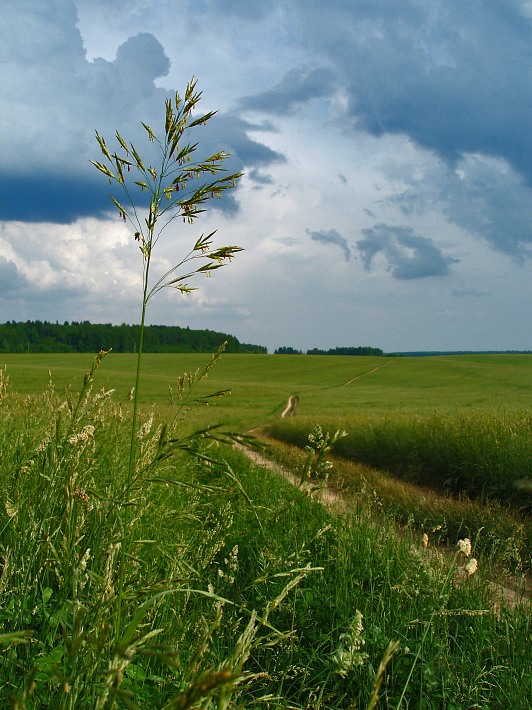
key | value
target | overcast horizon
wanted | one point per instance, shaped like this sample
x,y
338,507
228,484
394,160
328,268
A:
x,y
386,151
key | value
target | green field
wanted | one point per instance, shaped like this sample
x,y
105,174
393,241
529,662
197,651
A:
x,y
326,385
208,582
463,421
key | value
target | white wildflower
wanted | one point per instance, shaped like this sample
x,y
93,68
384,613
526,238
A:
x,y
145,428
233,558
85,559
11,509
316,435
102,394
464,546
471,566
4,379
42,446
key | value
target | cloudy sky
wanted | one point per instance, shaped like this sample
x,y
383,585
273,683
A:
x,y
386,146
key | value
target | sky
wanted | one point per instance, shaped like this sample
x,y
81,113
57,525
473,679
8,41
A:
x,y
386,147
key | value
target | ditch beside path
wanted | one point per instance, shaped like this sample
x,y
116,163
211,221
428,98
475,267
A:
x,y
509,594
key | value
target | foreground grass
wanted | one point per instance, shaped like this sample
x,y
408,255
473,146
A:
x,y
499,531
240,590
470,470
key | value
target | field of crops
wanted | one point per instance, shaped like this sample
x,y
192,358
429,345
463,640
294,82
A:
x,y
326,385
204,580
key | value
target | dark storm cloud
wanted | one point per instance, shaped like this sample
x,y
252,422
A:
x,y
54,99
492,201
231,132
332,237
454,76
408,255
297,87
481,195
54,198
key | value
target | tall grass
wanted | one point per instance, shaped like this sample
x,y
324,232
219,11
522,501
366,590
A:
x,y
462,474
65,481
240,591
485,453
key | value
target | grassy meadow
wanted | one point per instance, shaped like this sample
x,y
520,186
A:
x,y
326,385
217,584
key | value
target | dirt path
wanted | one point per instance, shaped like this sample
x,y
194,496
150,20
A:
x,y
508,594
326,495
369,372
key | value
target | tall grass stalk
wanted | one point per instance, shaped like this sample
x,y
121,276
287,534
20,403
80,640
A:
x,y
178,186
464,548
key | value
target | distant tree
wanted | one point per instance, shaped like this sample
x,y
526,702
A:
x,y
347,351
44,337
287,351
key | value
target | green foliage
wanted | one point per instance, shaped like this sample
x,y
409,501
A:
x,y
481,454
65,487
226,604
357,351
286,351
44,337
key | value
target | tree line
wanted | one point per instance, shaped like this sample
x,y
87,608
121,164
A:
x,y
364,350
82,337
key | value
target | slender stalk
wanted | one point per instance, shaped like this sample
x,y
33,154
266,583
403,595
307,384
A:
x,y
132,456
180,188
428,626
133,444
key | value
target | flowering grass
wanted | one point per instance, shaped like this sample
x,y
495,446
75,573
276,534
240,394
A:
x,y
240,590
501,531
483,453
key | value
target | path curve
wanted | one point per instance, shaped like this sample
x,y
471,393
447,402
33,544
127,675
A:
x,y
507,594
369,372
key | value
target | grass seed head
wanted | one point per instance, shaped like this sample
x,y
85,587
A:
x,y
348,654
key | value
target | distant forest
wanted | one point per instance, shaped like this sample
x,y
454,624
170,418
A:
x,y
365,350
85,337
